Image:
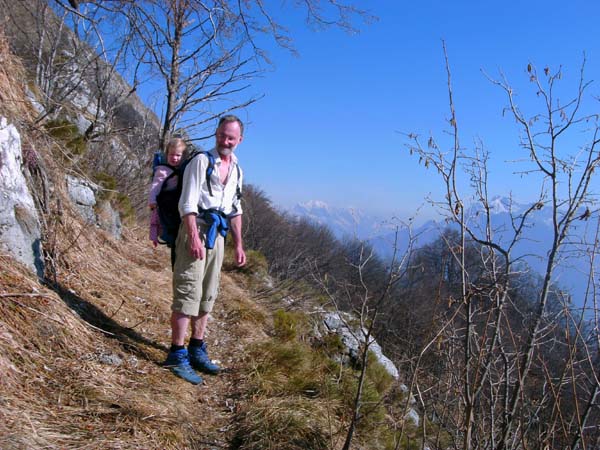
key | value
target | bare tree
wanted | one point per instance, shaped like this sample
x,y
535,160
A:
x,y
365,288
516,389
204,54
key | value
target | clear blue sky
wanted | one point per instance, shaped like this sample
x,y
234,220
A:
x,y
328,126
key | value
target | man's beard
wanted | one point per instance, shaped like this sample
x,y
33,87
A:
x,y
224,151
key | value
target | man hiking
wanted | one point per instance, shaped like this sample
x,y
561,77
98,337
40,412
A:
x,y
209,206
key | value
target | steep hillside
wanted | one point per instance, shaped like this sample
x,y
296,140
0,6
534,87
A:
x,y
81,363
81,358
81,351
82,340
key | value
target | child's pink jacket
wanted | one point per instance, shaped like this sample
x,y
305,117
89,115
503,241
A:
x,y
160,175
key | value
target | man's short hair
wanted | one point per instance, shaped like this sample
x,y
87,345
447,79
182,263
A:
x,y
231,118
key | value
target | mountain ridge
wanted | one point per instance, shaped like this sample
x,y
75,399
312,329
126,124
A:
x,y
385,239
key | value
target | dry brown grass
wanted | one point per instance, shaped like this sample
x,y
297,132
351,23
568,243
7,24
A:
x,y
292,423
13,105
81,363
80,357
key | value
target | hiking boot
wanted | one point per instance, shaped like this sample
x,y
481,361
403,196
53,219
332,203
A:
x,y
179,364
200,361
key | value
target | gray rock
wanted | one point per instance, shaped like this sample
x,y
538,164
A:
x,y
83,194
413,416
110,359
404,390
343,324
334,320
132,361
37,106
384,360
20,230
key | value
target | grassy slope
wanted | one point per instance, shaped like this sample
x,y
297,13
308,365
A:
x,y
83,368
80,364
80,360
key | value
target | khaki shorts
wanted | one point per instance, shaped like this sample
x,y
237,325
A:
x,y
196,281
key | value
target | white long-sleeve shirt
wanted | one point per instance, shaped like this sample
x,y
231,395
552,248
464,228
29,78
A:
x,y
195,195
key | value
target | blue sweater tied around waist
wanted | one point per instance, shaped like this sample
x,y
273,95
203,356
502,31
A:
x,y
217,224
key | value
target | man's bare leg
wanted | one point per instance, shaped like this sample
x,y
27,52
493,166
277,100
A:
x,y
199,325
179,326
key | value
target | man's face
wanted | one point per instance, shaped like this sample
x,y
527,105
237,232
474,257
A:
x,y
228,137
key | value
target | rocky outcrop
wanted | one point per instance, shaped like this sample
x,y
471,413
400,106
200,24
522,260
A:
x,y
83,194
20,230
352,337
20,227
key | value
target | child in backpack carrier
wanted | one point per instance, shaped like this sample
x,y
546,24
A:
x,y
164,179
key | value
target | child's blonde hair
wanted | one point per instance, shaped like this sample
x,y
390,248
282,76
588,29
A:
x,y
176,143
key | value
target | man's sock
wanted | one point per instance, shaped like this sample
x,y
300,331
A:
x,y
174,347
196,342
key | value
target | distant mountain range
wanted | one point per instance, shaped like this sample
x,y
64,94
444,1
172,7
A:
x,y
344,222
533,247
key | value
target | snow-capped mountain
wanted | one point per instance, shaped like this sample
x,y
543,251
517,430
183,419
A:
x,y
344,222
532,247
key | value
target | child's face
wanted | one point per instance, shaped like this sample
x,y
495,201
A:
x,y
174,156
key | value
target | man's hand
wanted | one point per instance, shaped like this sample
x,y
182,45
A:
x,y
196,246
240,256
236,231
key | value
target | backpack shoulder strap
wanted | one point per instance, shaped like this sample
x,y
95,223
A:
x,y
238,188
209,170
158,159
181,169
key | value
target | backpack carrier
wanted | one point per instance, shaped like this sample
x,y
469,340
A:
x,y
167,201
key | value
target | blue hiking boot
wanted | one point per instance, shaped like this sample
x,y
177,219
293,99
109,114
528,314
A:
x,y
200,361
179,364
